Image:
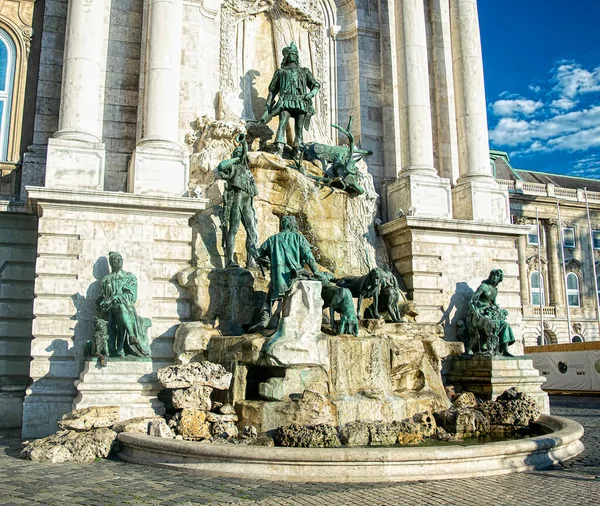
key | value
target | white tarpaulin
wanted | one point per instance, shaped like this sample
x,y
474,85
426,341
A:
x,y
569,370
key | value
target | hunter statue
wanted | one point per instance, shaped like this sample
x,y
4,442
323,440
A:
x,y
295,87
238,203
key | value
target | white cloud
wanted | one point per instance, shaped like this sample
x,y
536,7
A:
x,y
565,116
564,104
571,79
587,167
573,131
513,107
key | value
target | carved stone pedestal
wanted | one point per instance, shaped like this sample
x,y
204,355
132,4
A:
x,y
488,377
132,386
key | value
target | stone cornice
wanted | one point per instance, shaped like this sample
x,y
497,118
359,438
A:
x,y
105,201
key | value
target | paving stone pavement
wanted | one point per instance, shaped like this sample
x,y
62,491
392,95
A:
x,y
112,482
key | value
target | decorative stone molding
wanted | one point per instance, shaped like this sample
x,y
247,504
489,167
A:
x,y
574,265
310,14
533,264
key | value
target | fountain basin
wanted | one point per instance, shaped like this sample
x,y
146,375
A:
x,y
372,464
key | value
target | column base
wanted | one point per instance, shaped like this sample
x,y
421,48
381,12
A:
x,y
481,201
75,164
428,196
158,170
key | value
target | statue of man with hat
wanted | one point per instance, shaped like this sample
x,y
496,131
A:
x,y
295,87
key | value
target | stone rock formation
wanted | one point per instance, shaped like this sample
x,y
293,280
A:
x,y
71,445
511,409
194,397
307,436
139,425
197,373
95,417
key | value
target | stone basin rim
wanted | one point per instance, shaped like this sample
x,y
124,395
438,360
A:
x,y
364,464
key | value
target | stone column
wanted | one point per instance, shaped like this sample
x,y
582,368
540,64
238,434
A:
x,y
76,156
419,185
476,196
158,164
556,291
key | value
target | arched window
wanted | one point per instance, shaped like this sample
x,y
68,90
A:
x,y
573,289
537,293
7,78
577,339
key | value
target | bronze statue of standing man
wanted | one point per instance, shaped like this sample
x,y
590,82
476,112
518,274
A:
x,y
238,203
296,87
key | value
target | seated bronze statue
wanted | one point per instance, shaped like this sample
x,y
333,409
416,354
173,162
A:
x,y
488,331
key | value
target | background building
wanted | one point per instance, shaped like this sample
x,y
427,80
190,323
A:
x,y
559,289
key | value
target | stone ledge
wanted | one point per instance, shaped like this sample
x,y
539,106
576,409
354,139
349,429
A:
x,y
361,464
450,226
114,200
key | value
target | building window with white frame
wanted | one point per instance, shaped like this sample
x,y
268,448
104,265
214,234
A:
x,y
568,237
7,77
596,238
573,290
598,285
533,238
537,294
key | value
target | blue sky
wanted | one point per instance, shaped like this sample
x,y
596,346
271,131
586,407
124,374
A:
x,y
542,72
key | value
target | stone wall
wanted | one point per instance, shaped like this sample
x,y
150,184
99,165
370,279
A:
x,y
18,237
444,262
77,229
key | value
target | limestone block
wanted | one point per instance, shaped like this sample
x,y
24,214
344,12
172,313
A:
x,y
227,409
307,436
158,171
295,381
193,425
481,202
67,446
309,408
512,408
298,340
140,424
464,422
218,417
191,340
159,428
75,164
354,434
196,373
194,397
429,196
465,400
95,417
220,428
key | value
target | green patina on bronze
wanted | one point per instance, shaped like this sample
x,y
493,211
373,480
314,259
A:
x,y
286,253
337,162
295,87
488,331
126,332
238,203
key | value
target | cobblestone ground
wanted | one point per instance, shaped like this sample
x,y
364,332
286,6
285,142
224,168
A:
x,y
112,482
